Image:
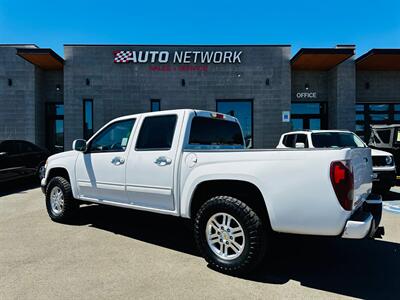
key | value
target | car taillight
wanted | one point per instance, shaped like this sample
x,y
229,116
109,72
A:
x,y
343,183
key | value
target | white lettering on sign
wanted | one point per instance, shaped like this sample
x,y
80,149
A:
x,y
178,57
306,95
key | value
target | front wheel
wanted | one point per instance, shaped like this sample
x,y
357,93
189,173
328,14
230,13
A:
x,y
60,203
230,235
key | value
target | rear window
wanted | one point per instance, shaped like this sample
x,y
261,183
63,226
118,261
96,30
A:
x,y
336,140
217,132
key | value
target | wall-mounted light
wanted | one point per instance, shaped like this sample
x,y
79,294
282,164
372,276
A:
x,y
367,85
58,87
87,81
267,81
9,82
307,86
183,82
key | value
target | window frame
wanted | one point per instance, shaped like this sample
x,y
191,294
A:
x,y
88,150
85,137
156,149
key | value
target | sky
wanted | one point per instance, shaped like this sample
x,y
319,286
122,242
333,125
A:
x,y
302,24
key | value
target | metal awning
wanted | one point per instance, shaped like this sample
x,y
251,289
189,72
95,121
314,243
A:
x,y
320,59
379,60
44,58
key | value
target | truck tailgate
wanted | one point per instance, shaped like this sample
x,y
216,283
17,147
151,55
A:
x,y
362,170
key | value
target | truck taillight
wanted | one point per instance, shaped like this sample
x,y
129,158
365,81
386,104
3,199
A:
x,y
343,183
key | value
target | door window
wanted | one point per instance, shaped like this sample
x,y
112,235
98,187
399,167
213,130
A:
x,y
289,140
114,138
157,133
302,138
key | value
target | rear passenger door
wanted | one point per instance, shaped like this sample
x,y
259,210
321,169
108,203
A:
x,y
151,163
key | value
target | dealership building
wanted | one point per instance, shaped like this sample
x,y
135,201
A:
x,y
51,100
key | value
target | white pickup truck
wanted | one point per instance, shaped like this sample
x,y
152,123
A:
x,y
193,164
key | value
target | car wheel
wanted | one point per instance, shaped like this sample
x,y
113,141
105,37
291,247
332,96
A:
x,y
60,203
230,235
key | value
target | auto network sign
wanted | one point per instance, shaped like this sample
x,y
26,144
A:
x,y
177,57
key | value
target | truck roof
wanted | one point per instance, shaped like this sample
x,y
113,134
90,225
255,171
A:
x,y
198,112
318,131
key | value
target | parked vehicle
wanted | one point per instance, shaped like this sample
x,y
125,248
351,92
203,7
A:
x,y
21,159
384,169
193,164
386,138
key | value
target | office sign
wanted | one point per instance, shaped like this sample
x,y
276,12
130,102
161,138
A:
x,y
306,95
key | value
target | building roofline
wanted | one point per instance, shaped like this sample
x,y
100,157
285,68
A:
x,y
302,51
18,45
391,51
44,58
178,45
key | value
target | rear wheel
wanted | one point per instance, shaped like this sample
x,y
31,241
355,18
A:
x,y
60,203
230,235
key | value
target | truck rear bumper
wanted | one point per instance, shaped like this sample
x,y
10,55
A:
x,y
365,221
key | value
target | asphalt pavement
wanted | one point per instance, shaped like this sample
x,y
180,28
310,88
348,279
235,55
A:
x,y
111,252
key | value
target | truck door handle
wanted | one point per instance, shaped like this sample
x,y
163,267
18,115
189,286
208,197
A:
x,y
163,161
118,161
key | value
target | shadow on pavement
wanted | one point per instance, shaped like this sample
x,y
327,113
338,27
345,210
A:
x,y
18,186
391,195
358,268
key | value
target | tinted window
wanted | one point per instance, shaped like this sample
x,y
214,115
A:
x,y
114,138
87,118
10,147
289,140
157,133
384,135
243,111
26,147
335,140
207,131
302,138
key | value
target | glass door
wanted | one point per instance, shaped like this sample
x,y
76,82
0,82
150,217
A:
x,y
309,116
55,127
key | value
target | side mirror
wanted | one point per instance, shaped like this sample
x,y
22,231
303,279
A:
x,y
79,145
3,153
300,145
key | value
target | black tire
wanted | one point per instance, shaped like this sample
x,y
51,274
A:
x,y
70,204
37,173
254,231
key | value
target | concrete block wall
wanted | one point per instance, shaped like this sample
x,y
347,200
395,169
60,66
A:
x,y
121,89
17,102
384,86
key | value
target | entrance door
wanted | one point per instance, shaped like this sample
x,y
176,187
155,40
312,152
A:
x,y
55,127
309,116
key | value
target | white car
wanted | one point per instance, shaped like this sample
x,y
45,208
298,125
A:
x,y
382,162
193,164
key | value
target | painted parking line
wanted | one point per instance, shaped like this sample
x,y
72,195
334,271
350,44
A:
x,y
392,206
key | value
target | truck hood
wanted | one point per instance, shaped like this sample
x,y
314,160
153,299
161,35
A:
x,y
62,155
375,152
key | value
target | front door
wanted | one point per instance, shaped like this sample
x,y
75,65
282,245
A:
x,y
311,115
150,166
100,171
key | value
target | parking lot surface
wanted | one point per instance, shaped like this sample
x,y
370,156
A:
x,y
117,253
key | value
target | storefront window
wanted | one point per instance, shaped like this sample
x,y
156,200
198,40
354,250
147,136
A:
x,y
368,114
243,111
155,105
87,118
